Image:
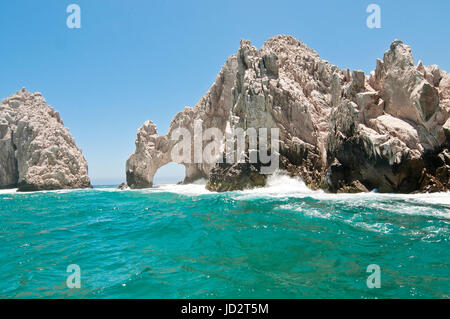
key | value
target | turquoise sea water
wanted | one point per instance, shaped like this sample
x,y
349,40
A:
x,y
180,241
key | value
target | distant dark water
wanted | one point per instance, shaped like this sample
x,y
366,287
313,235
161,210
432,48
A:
x,y
183,242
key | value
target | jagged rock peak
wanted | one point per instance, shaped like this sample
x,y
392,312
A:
x,y
390,136
36,151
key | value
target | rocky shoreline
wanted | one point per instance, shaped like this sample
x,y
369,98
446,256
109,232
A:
x,y
340,131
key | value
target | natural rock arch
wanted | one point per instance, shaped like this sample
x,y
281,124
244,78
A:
x,y
154,151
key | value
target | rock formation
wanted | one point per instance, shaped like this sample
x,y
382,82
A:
x,y
339,130
284,85
388,129
36,151
154,151
123,187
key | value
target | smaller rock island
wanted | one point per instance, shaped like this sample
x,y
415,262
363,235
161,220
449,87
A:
x,y
36,151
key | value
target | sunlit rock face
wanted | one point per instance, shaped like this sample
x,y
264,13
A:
x,y
390,133
36,151
339,130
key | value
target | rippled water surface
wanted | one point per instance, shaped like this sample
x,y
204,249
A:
x,y
176,241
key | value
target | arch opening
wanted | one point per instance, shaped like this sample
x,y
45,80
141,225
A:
x,y
171,173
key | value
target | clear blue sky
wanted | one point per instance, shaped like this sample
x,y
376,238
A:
x,y
139,59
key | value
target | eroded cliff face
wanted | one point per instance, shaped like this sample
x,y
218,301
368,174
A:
x,y
339,130
36,151
284,85
387,129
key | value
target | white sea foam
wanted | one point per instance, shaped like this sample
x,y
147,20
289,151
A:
x,y
283,186
433,198
183,189
279,185
194,189
108,189
60,191
8,191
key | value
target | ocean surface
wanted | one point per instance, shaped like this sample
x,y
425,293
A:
x,y
181,241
